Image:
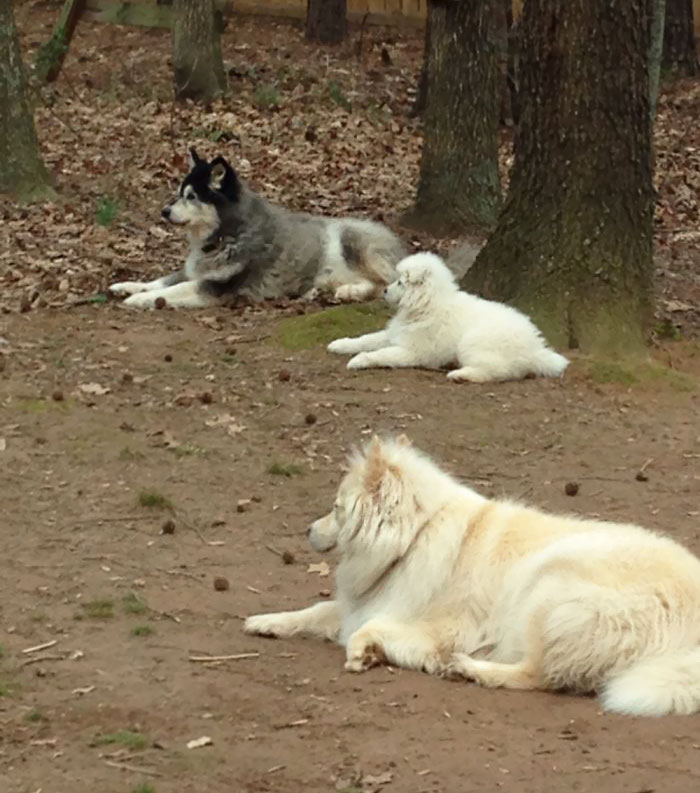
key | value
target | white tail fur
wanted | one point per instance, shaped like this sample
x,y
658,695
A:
x,y
656,686
549,363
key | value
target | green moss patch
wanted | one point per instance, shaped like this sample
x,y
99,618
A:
x,y
310,331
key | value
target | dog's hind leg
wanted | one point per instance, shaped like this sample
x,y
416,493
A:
x,y
520,676
321,620
356,292
183,295
387,357
381,639
134,287
367,343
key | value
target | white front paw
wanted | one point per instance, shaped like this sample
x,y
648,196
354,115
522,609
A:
x,y
264,625
341,346
127,288
141,300
360,361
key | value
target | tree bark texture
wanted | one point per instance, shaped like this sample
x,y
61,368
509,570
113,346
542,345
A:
x,y
656,42
422,90
197,61
22,171
573,245
459,188
679,55
326,21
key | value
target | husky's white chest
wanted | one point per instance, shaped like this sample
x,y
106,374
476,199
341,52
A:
x,y
194,255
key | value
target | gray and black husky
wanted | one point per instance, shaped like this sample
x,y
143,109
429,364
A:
x,y
242,245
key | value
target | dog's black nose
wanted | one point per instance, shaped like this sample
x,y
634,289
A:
x,y
308,531
166,213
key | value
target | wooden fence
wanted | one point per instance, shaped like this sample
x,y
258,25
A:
x,y
384,12
410,13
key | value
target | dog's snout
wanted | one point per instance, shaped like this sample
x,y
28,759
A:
x,y
166,213
309,529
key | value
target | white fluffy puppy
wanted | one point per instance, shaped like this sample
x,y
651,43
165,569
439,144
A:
x,y
436,324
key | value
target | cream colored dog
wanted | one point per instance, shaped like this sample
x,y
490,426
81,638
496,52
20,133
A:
x,y
435,577
436,324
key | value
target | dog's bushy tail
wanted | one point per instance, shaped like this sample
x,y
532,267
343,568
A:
x,y
549,363
656,686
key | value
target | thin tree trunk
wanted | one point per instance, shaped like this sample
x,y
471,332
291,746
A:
x,y
459,188
655,53
679,55
22,171
573,243
197,61
326,21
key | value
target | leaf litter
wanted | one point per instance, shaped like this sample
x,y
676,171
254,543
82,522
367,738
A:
x,y
339,139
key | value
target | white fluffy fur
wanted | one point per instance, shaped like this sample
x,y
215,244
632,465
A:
x,y
437,324
434,576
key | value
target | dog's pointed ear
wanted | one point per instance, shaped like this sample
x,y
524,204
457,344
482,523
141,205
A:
x,y
375,465
403,440
223,178
193,158
217,173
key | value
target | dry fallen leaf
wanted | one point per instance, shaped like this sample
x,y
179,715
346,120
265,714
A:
x,y
197,743
321,568
93,389
371,782
227,421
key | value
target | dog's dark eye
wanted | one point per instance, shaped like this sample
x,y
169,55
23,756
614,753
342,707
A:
x,y
190,197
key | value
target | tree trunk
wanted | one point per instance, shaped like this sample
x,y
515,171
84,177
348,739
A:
x,y
573,245
22,171
656,42
679,55
422,91
197,61
326,21
459,188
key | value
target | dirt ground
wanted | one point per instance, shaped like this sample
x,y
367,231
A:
x,y
145,456
102,409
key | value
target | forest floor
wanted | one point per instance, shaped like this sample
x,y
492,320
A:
x,y
143,456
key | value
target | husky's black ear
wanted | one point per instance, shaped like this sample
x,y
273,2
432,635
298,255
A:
x,y
193,158
223,179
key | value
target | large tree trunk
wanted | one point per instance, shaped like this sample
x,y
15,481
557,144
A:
x,y
422,90
197,61
679,38
656,42
22,171
326,21
459,188
573,246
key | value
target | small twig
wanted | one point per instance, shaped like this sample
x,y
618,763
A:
x,y
204,659
165,614
114,520
38,647
38,658
275,768
184,573
132,768
253,589
274,550
646,464
297,723
187,524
